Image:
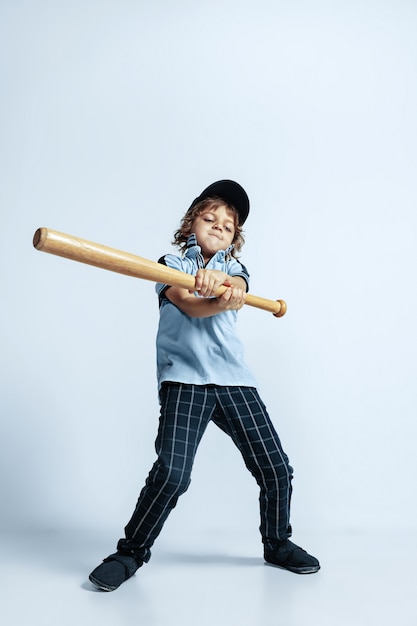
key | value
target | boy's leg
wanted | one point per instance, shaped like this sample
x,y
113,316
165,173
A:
x,y
185,413
242,414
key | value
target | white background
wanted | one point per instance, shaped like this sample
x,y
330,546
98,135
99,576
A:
x,y
114,116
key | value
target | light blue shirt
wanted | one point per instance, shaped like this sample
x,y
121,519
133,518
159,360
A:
x,y
200,351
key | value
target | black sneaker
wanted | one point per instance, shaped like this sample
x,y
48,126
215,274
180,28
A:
x,y
114,570
288,555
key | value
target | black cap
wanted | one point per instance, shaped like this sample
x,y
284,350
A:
x,y
231,192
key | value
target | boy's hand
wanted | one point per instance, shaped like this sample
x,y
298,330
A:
x,y
232,299
207,282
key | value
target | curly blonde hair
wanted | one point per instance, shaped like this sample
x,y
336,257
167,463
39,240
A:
x,y
185,229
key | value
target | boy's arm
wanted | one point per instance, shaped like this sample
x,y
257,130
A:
x,y
207,283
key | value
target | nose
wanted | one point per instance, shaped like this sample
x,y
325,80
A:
x,y
217,227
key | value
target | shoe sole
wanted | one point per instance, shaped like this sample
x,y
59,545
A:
x,y
101,585
296,570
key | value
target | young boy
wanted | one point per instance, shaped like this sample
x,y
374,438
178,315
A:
x,y
202,377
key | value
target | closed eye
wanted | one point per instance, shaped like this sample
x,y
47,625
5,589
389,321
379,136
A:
x,y
211,220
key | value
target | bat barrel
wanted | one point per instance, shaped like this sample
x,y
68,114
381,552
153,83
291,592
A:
x,y
96,254
88,252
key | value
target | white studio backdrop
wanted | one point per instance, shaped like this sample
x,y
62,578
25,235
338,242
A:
x,y
114,116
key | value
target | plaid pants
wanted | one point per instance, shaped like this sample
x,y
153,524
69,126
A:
x,y
185,413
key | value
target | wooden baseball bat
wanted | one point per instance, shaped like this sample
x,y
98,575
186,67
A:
x,y
114,260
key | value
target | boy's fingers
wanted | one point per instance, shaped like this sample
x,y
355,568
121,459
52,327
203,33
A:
x,y
227,294
198,281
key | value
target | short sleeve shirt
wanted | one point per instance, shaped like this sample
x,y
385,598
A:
x,y
200,351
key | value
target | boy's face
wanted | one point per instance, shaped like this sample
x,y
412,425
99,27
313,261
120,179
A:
x,y
214,229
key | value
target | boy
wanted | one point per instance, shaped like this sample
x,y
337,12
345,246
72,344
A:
x,y
202,377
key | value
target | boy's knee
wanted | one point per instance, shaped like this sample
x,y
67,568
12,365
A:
x,y
178,481
173,480
273,475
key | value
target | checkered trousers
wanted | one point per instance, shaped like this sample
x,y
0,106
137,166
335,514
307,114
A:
x,y
186,411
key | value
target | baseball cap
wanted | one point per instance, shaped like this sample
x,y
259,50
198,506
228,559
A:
x,y
231,192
